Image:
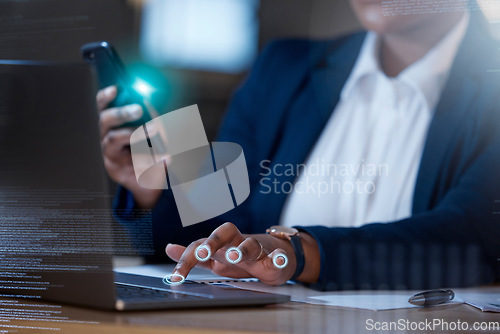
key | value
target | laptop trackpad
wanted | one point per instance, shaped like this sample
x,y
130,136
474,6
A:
x,y
205,290
188,287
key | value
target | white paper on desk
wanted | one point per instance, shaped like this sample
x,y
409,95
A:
x,y
376,302
373,301
486,302
297,292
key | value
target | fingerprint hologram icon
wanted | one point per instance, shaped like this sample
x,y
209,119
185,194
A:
x,y
172,152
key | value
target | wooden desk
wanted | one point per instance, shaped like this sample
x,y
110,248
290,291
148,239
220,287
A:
x,y
284,318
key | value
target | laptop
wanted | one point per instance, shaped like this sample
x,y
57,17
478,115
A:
x,y
57,234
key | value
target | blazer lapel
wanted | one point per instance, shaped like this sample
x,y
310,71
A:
x,y
331,73
456,102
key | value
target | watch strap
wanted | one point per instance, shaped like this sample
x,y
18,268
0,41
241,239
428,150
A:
x,y
299,255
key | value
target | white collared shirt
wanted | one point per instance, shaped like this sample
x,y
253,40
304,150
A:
x,y
364,166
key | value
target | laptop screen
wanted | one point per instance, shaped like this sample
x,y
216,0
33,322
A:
x,y
56,232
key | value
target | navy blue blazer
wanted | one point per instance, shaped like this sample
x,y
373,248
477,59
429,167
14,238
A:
x,y
277,115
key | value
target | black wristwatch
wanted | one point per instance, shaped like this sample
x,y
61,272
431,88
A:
x,y
291,234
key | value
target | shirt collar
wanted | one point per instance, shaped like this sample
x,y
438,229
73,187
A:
x,y
427,75
367,63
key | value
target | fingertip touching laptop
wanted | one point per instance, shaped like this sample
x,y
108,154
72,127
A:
x,y
56,231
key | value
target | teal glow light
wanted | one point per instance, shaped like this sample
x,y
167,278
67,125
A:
x,y
143,88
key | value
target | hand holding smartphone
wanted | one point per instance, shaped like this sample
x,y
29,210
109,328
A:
x,y
116,130
110,71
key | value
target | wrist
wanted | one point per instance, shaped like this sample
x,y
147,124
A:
x,y
145,198
305,253
312,264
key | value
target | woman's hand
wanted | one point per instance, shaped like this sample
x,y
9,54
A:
x,y
115,144
270,259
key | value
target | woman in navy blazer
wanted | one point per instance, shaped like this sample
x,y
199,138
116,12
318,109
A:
x,y
453,235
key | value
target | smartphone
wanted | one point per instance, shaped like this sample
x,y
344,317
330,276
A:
x,y
110,70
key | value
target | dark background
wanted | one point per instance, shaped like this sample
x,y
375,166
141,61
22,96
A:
x,y
54,30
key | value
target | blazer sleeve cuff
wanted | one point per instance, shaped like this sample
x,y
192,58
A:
x,y
324,244
123,205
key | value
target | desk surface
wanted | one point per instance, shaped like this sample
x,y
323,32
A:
x,y
283,318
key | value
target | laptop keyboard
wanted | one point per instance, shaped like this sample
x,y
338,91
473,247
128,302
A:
x,y
129,293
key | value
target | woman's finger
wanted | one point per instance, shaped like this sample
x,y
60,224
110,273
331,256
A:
x,y
105,96
114,117
226,235
271,269
220,268
249,250
279,258
174,251
185,263
115,141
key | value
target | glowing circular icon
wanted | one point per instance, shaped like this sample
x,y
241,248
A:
x,y
199,248
234,249
168,279
275,260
